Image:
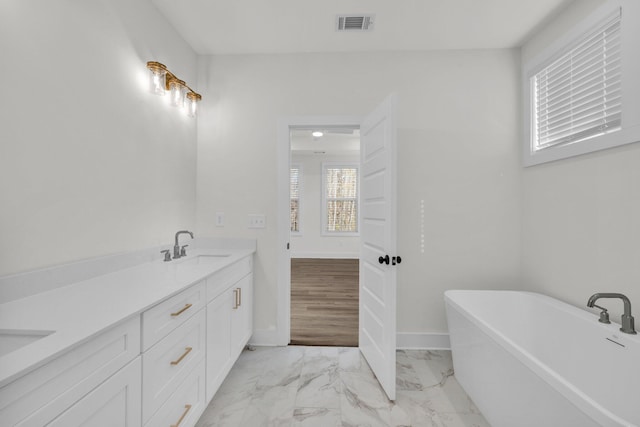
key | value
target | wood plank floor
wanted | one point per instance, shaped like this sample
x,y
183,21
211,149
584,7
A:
x,y
324,302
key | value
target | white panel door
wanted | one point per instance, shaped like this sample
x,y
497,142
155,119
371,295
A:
x,y
377,335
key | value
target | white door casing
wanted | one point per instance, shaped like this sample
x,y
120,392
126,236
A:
x,y
377,328
282,333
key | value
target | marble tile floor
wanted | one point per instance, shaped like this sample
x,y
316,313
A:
x,y
299,386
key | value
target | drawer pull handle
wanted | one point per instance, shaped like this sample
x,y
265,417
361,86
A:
x,y
187,350
182,310
184,414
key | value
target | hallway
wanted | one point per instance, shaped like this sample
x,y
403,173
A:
x,y
324,302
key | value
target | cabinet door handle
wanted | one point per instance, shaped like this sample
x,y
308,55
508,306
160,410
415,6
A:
x,y
235,299
182,310
184,414
239,297
187,350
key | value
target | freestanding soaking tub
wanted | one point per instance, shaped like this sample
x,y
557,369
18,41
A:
x,y
529,360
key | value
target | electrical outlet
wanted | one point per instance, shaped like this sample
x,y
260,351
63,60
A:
x,y
257,221
219,219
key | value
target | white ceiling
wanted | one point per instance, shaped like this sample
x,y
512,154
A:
x,y
298,26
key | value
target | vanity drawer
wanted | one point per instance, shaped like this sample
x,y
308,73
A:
x,y
167,363
158,321
186,404
114,402
41,395
223,279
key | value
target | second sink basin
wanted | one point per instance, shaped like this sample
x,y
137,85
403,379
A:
x,y
13,339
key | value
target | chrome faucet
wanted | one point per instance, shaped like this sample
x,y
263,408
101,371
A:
x,y
627,318
176,248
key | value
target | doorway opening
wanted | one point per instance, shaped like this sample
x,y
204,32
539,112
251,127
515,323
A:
x,y
325,243
378,232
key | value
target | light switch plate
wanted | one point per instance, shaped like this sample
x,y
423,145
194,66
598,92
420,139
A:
x,y
257,221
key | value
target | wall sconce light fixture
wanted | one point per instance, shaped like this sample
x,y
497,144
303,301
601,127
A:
x,y
162,80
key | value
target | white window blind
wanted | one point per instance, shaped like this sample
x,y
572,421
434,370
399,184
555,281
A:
x,y
340,198
578,96
294,191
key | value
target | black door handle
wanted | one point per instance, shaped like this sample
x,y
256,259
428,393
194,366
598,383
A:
x,y
396,259
384,260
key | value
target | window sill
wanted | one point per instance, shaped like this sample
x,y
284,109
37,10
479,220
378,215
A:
x,y
340,234
624,136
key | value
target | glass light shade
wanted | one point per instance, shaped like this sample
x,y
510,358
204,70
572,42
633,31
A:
x,y
191,103
157,77
177,91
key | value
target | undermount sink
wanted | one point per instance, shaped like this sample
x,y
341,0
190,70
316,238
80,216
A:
x,y
14,339
205,259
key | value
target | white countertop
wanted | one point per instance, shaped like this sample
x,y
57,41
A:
x,y
77,312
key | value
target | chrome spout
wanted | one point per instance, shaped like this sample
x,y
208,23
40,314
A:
x,y
176,247
627,322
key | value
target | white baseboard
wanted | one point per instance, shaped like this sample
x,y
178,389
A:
x,y
422,341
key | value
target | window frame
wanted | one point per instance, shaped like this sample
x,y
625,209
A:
x,y
300,196
630,127
324,224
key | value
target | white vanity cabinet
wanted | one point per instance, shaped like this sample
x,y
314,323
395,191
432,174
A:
x,y
189,399
174,340
242,315
229,319
219,360
163,318
72,389
116,402
155,362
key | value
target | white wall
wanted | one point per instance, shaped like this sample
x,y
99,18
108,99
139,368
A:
x,y
581,228
90,162
310,242
458,123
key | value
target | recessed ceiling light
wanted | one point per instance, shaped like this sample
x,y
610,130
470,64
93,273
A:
x,y
316,134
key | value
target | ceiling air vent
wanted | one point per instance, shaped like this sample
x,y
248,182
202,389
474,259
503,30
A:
x,y
354,22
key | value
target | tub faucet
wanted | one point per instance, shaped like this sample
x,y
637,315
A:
x,y
176,247
627,318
